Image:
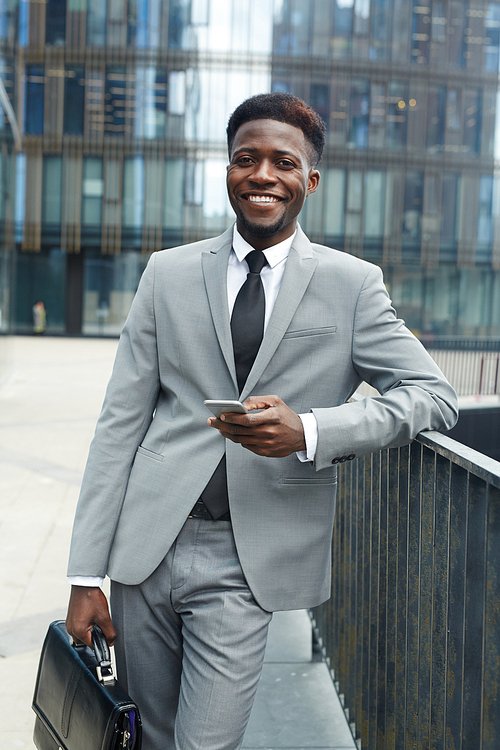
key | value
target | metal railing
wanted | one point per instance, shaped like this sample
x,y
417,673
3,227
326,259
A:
x,y
471,373
412,631
461,343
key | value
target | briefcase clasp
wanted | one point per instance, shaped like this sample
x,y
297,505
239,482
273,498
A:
x,y
105,674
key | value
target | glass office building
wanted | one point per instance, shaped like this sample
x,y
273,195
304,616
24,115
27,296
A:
x,y
120,108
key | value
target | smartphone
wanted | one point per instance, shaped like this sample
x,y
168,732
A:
x,y
225,406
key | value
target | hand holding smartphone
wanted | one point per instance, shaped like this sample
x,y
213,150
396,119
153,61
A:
x,y
225,406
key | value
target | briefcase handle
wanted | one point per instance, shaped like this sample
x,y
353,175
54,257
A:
x,y
105,673
104,669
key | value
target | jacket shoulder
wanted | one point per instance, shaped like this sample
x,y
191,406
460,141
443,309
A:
x,y
192,250
342,263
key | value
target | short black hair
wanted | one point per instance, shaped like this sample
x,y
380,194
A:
x,y
283,108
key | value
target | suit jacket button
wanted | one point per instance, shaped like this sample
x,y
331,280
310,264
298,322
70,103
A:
x,y
335,460
343,459
351,456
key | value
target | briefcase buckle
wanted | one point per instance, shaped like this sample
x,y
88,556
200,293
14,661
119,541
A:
x,y
105,674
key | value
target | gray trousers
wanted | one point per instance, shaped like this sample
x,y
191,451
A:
x,y
191,642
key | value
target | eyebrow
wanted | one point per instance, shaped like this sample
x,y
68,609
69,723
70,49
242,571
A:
x,y
254,149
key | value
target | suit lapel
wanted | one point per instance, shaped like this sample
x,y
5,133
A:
x,y
214,265
300,266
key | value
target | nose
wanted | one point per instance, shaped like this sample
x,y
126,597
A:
x,y
263,172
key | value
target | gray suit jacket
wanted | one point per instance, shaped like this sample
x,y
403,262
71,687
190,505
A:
x,y
331,328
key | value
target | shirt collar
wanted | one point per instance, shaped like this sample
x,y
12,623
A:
x,y
274,254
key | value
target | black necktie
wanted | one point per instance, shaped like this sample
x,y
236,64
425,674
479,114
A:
x,y
247,320
247,329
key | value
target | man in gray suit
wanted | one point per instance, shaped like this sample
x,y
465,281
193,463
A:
x,y
206,529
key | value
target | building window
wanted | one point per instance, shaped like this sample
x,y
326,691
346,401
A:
x,y
453,110
360,113
178,22
438,26
380,22
144,23
20,205
177,93
215,201
24,16
374,205
342,28
92,192
96,23
458,11
151,102
412,212
109,288
492,34
335,202
449,216
354,203
55,23
397,115
473,110
319,99
74,100
485,219
35,85
420,33
292,32
436,109
133,192
52,190
173,194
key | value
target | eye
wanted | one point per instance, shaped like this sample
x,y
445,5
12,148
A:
x,y
286,163
244,160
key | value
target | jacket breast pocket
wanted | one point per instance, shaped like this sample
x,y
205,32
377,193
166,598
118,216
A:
x,y
310,332
308,482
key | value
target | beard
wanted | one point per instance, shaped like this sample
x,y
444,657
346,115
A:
x,y
259,230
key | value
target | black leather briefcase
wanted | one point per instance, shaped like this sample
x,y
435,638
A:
x,y
79,705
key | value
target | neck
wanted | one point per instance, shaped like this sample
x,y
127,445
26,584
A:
x,y
263,242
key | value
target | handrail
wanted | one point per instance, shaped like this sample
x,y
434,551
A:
x,y
461,343
474,462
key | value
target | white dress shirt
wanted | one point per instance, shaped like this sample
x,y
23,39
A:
x,y
271,275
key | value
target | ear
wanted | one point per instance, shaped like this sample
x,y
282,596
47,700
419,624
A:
x,y
312,181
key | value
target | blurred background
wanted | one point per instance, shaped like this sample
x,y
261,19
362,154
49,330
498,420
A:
x,y
112,145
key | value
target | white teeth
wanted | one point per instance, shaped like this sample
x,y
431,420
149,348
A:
x,y
262,199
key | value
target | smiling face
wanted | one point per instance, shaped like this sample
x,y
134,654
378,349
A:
x,y
268,179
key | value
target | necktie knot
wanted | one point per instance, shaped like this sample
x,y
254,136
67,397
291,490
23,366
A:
x,y
256,261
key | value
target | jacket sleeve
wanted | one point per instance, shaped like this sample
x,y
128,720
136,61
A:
x,y
414,394
126,414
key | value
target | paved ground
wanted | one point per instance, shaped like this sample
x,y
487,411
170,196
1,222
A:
x,y
51,390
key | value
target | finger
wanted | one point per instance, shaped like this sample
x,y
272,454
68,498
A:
x,y
270,415
261,402
108,629
264,441
239,437
229,423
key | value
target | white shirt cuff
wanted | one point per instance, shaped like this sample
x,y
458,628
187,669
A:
x,y
85,581
310,425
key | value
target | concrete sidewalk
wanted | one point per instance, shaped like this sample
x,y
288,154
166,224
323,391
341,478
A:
x,y
51,391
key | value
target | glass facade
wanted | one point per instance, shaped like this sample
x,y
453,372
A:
x,y
122,107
